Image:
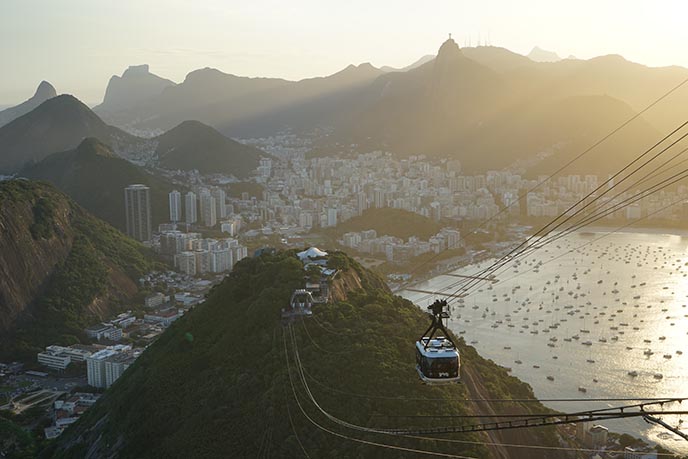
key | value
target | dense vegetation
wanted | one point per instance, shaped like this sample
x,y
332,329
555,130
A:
x,y
59,314
15,442
43,214
217,380
79,173
194,145
392,222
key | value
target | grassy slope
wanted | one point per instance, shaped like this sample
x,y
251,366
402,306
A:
x,y
217,381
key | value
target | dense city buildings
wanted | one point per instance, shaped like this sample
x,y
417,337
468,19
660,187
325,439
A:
x,y
137,206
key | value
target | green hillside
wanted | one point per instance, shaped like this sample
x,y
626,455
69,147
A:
x,y
58,124
80,174
217,384
193,145
61,268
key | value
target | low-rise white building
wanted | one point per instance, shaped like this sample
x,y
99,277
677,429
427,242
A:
x,y
59,357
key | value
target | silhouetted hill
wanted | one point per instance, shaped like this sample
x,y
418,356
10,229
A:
x,y
219,381
429,109
463,104
95,177
136,86
512,112
241,105
44,92
193,145
418,63
542,55
60,268
547,135
58,124
498,59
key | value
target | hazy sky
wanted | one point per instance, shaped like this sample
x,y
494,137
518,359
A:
x,y
78,44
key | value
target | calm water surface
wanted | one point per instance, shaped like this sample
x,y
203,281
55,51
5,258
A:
x,y
587,317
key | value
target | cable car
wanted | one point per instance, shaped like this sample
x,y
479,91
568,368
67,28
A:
x,y
300,305
437,358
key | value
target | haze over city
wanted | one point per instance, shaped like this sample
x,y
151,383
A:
x,y
383,229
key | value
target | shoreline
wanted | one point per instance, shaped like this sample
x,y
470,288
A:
x,y
637,230
591,229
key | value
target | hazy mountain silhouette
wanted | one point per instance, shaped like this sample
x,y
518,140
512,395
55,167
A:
x,y
194,145
460,104
62,123
58,124
542,55
227,101
44,92
95,177
498,59
135,87
429,108
418,63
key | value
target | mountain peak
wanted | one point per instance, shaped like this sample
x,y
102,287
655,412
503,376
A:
x,y
142,69
542,55
136,86
91,146
67,102
449,50
448,57
45,91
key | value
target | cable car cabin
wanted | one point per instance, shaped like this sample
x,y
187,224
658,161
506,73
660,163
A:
x,y
300,305
437,360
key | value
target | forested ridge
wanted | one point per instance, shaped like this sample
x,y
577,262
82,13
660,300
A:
x,y
217,380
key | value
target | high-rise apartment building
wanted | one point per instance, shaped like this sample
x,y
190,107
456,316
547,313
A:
x,y
190,207
137,208
208,210
175,206
220,203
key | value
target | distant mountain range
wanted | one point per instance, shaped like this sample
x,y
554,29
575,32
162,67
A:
x,y
542,55
57,124
418,63
234,104
44,92
137,86
487,106
63,122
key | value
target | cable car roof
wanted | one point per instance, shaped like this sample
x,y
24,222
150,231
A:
x,y
438,347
